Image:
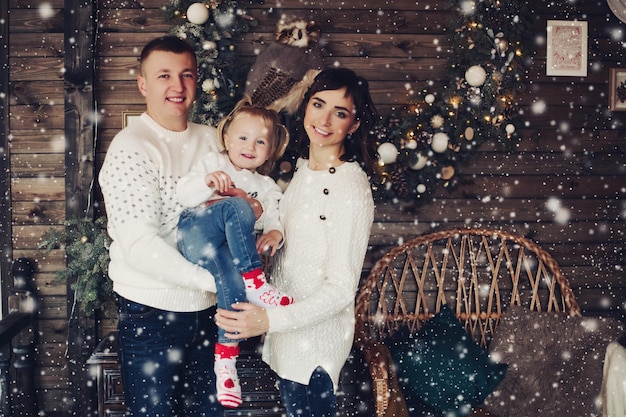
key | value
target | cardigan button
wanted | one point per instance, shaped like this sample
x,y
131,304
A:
x,y
326,191
332,170
322,217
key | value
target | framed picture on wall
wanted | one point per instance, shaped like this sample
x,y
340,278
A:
x,y
566,52
129,116
617,89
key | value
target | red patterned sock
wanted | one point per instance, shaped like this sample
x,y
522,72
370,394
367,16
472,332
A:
x,y
255,278
227,381
262,293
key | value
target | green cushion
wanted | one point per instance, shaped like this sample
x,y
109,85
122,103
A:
x,y
444,367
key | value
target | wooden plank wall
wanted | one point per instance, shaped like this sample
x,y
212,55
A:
x,y
36,61
572,152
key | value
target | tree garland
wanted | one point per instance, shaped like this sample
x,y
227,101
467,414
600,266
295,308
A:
x,y
421,148
210,27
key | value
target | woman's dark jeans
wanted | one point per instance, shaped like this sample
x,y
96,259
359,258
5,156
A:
x,y
314,400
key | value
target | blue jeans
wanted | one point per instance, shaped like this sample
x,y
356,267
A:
x,y
166,359
221,239
314,400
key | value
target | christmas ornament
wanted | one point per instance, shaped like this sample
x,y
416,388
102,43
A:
x,y
475,75
208,85
388,153
280,74
209,45
398,180
440,142
467,7
198,14
436,121
411,144
447,172
417,161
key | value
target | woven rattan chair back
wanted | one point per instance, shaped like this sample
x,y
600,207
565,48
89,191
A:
x,y
478,272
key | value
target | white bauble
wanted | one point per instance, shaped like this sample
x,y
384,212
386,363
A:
x,y
411,144
421,188
208,85
417,161
388,153
510,128
467,7
440,142
209,45
430,98
475,75
198,13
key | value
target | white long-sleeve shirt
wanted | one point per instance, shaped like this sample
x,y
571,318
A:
x,y
192,189
327,219
138,181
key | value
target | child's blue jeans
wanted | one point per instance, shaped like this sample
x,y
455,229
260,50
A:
x,y
221,239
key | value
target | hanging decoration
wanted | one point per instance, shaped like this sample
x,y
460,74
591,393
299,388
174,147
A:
x,y
443,127
211,27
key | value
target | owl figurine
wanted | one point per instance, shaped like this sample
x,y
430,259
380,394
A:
x,y
283,71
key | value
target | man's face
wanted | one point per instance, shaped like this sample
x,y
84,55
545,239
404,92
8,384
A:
x,y
168,82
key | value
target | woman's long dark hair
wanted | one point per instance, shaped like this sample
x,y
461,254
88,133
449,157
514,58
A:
x,y
360,146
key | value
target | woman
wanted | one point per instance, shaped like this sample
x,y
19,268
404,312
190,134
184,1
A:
x,y
327,213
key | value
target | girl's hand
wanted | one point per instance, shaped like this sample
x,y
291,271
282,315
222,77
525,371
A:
x,y
244,321
219,180
269,241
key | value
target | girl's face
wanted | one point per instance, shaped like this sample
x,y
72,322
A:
x,y
247,142
329,118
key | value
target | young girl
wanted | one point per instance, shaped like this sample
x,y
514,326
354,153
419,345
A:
x,y
218,228
327,212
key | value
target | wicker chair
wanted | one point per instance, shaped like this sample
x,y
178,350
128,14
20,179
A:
x,y
477,272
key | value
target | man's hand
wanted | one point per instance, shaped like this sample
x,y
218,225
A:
x,y
238,192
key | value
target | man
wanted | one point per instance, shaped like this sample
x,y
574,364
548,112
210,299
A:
x,y
166,330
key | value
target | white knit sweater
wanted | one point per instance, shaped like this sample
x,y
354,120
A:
x,y
138,181
327,219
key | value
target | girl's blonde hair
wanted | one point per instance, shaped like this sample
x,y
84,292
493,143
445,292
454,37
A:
x,y
278,137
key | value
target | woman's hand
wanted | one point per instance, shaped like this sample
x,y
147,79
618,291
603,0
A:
x,y
247,320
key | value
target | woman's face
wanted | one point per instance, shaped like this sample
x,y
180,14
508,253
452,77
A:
x,y
329,118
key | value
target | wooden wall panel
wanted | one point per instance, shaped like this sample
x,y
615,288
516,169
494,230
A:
x,y
36,126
